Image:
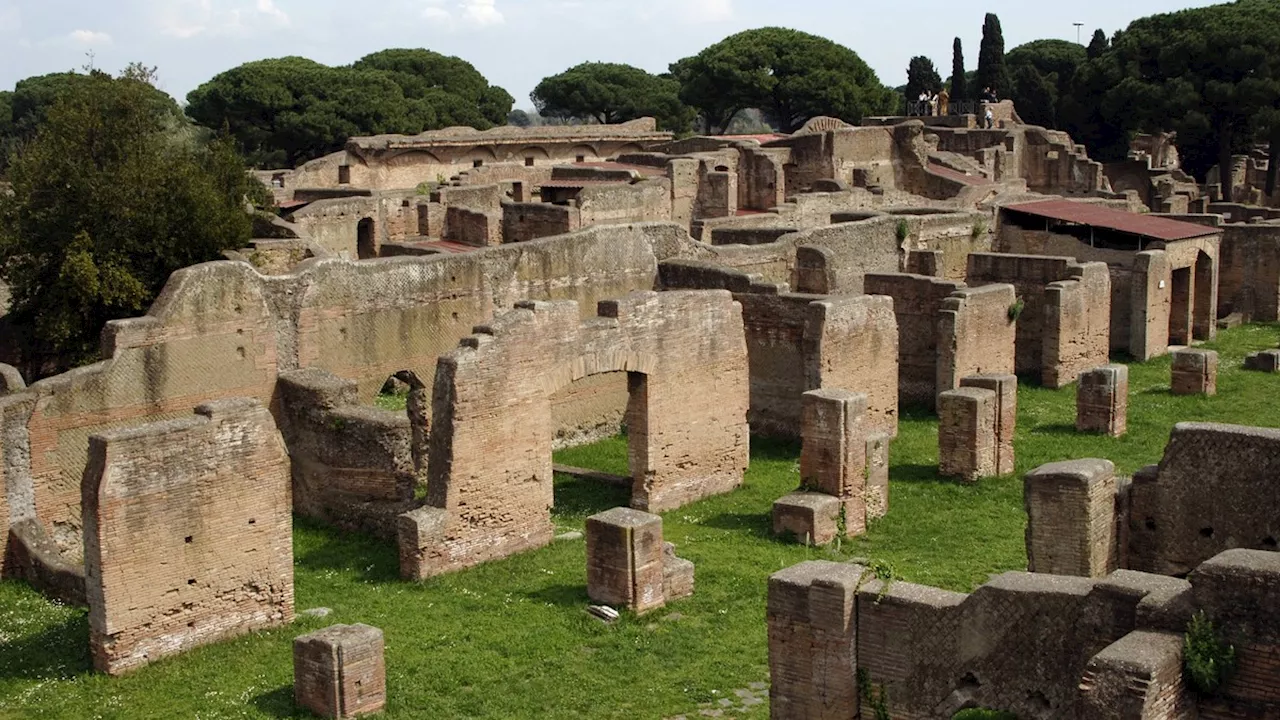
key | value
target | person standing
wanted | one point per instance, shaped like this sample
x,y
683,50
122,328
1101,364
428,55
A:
x,y
944,102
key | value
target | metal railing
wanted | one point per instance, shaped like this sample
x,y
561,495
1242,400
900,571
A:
x,y
919,108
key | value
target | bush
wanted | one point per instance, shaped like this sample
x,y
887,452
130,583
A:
x,y
1208,659
1015,310
903,231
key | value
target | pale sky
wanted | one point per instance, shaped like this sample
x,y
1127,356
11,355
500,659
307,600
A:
x,y
514,43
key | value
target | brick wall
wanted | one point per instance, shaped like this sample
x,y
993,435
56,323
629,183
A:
x,y
489,492
851,343
1249,281
917,304
522,222
188,534
975,334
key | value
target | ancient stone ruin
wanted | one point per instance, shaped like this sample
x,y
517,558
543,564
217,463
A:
x,y
339,672
629,565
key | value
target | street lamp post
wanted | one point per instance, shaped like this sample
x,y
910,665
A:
x,y
1078,26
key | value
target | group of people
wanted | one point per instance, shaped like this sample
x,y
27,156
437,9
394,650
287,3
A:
x,y
939,103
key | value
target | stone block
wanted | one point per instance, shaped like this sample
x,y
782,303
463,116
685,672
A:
x,y
1071,523
877,493
677,574
624,559
967,447
1265,361
1195,372
812,518
833,458
1102,401
1006,389
1138,677
339,672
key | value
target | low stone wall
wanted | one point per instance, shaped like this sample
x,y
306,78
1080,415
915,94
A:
x,y
188,534
1249,279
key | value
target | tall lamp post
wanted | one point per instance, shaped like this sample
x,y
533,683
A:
x,y
1078,26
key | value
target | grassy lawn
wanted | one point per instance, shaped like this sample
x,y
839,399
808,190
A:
x,y
511,639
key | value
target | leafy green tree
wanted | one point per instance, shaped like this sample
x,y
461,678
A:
x,y
1206,73
921,75
959,86
788,75
992,72
1097,45
108,201
611,93
1267,124
1041,72
459,94
519,118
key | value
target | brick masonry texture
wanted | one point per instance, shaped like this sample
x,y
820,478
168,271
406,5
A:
x,y
1006,420
833,457
1102,401
340,671
976,336
811,518
489,487
1264,361
1194,372
967,444
629,565
188,534
1071,524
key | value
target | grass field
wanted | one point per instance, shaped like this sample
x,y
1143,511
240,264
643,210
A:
x,y
511,640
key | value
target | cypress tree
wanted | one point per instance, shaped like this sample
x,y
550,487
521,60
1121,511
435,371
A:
x,y
991,70
1097,45
958,89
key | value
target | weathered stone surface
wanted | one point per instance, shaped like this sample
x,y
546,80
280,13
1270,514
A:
x,y
877,491
1006,389
677,574
809,517
1195,372
340,671
624,559
1071,526
490,467
188,534
1102,401
1263,361
967,445
833,457
976,335
1138,677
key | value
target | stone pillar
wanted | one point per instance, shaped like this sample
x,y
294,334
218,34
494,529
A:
x,y
967,447
1071,524
339,672
877,474
624,559
1102,401
812,618
1195,372
833,459
1006,389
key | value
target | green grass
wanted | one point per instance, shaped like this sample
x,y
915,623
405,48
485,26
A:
x,y
510,639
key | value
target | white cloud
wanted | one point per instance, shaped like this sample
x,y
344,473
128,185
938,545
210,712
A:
x,y
189,18
90,37
455,14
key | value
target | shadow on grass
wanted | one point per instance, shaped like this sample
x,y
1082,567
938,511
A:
x,y
1164,390
1057,429
58,653
579,497
916,473
774,449
562,595
278,703
757,524
326,548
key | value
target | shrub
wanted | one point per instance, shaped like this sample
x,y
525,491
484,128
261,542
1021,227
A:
x,y
1208,659
874,697
903,231
1015,310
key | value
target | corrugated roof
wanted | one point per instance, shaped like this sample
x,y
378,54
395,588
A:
x,y
1157,228
958,176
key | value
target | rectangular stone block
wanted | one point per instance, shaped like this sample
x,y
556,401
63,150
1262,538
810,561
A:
x,y
1195,372
624,559
1265,361
811,517
1102,401
967,446
833,457
1006,389
1071,523
340,672
677,574
1138,677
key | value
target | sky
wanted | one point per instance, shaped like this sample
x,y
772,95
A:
x,y
514,43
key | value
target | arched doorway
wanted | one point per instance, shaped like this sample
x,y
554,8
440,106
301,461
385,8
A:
x,y
366,241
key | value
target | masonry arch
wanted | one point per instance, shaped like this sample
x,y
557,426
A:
x,y
490,488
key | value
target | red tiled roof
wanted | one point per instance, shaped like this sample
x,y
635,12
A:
x,y
642,169
1104,217
959,177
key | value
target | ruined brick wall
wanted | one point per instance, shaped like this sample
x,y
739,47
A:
x,y
647,201
1214,490
762,180
332,224
1020,643
851,343
976,336
917,304
352,465
775,328
481,228
188,534
1064,326
1071,526
590,409
1150,288
489,488
1249,281
522,222
857,249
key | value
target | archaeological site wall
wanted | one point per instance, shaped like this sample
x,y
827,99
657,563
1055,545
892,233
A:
x,y
188,534
1042,646
489,487
1063,326
1249,281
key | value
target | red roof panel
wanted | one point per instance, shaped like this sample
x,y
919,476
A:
x,y
1157,228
